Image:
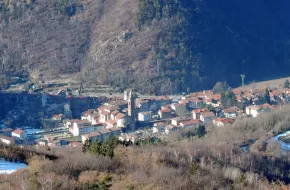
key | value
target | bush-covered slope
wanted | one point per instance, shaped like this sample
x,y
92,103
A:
x,y
155,46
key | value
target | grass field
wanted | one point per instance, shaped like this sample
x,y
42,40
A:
x,y
271,84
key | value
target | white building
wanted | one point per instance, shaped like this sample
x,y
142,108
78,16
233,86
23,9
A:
x,y
121,120
6,140
93,136
207,117
144,116
254,111
18,133
169,129
190,123
81,127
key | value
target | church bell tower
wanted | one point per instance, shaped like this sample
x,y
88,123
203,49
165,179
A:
x,y
132,110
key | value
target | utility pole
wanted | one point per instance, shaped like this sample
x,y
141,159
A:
x,y
243,79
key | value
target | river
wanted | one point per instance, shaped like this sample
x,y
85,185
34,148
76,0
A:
x,y
284,146
9,167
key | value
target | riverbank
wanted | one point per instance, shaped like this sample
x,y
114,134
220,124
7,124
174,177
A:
x,y
284,140
7,167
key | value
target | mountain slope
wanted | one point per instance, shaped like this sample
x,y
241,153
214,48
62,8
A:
x,y
154,46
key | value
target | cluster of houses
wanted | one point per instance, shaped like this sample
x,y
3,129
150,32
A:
x,y
10,136
165,115
122,116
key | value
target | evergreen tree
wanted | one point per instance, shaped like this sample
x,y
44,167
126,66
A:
x,y
96,147
286,84
267,96
107,148
201,131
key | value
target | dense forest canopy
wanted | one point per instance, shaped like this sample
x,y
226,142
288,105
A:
x,y
155,46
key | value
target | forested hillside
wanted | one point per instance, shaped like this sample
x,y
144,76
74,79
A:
x,y
155,46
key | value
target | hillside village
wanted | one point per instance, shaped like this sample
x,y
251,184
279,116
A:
x,y
133,119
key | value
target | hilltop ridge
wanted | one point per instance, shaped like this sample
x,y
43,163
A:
x,y
156,47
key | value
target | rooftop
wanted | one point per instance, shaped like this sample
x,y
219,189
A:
x,y
208,114
105,131
93,134
191,122
120,116
18,131
82,122
170,127
111,122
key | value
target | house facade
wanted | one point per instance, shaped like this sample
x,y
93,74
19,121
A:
x,y
18,133
144,116
93,136
176,121
253,111
164,113
81,127
220,122
169,129
190,123
207,117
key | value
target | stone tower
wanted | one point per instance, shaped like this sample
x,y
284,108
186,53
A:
x,y
132,113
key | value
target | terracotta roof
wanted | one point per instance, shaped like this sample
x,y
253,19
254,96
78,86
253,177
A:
x,y
190,122
193,94
105,131
224,120
237,91
181,118
231,110
146,113
208,114
167,106
216,96
103,110
88,112
18,131
82,122
165,110
159,124
200,110
120,116
111,108
169,127
111,122
265,106
258,91
207,100
254,107
93,134
115,129
84,126
114,113
179,105
183,102
194,99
